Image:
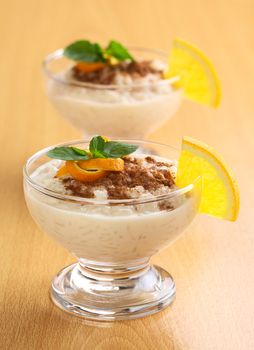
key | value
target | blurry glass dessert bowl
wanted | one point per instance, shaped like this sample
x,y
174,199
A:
x,y
114,208
125,92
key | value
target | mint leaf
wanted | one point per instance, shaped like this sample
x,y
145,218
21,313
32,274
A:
x,y
96,147
68,153
79,151
113,149
118,51
100,148
84,51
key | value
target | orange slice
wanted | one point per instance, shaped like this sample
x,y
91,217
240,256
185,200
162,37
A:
x,y
84,175
198,77
89,67
112,164
220,194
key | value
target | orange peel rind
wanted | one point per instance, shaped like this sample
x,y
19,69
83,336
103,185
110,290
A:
x,y
88,67
84,175
111,164
91,169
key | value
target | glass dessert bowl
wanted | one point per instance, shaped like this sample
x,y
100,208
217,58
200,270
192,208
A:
x,y
112,238
128,104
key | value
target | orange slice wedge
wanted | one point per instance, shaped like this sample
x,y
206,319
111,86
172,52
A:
x,y
84,175
89,67
198,77
220,194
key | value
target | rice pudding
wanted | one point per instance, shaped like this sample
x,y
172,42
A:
x,y
127,216
129,98
113,206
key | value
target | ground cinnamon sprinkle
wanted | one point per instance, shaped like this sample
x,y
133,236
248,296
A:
x,y
107,74
118,184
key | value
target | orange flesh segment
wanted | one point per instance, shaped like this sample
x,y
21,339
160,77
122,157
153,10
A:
x,y
84,175
87,67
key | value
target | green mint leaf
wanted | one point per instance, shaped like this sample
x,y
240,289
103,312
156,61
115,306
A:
x,y
100,148
68,153
113,149
118,51
80,152
84,51
98,154
96,147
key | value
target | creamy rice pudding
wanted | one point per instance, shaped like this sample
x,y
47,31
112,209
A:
x,y
130,98
113,207
113,232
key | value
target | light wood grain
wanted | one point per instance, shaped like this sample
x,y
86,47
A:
x,y
213,262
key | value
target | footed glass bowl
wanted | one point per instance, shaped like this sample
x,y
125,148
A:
x,y
132,110
113,241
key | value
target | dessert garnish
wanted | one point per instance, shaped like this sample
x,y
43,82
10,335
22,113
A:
x,y
90,165
91,56
106,164
141,176
197,75
98,65
220,194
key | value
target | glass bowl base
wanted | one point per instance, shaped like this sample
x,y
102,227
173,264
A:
x,y
109,297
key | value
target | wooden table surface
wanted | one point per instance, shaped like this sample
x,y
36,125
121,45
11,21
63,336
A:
x,y
213,262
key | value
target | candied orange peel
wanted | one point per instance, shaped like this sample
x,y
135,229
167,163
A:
x,y
84,175
111,164
91,169
88,67
62,171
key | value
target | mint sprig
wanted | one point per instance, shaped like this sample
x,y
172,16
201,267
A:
x,y
68,153
85,51
98,148
117,50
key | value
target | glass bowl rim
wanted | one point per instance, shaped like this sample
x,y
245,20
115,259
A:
x,y
57,54
53,194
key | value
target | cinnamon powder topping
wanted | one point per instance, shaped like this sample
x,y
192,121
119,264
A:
x,y
146,173
107,74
